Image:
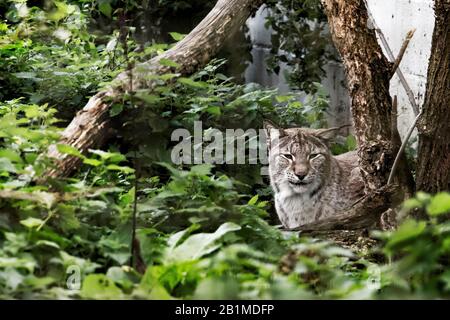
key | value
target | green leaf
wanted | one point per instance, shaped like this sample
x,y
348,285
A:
x,y
422,196
412,203
67,149
38,283
117,244
115,110
282,99
113,157
200,244
122,276
408,230
11,278
148,98
11,155
253,200
114,167
439,204
32,222
214,110
177,36
168,76
67,219
105,8
351,142
202,169
32,111
7,165
151,286
168,63
25,75
92,162
47,243
191,83
99,287
445,278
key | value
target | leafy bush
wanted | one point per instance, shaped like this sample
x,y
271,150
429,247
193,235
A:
x,y
420,251
196,233
202,231
50,56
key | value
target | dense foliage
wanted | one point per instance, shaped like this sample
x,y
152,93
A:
x,y
301,40
202,231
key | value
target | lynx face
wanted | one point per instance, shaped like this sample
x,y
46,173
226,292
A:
x,y
309,183
299,159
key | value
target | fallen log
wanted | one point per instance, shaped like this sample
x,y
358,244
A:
x,y
364,214
351,228
91,127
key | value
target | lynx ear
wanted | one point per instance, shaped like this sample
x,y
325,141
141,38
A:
x,y
269,125
272,132
328,134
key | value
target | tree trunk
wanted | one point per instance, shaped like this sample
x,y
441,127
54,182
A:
x,y
368,74
433,171
92,126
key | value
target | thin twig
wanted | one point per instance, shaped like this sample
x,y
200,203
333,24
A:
x,y
402,148
402,51
409,92
123,35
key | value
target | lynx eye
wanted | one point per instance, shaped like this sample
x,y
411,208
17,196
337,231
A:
x,y
288,156
313,155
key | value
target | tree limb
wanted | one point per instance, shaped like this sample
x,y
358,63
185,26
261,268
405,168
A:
x,y
92,125
402,51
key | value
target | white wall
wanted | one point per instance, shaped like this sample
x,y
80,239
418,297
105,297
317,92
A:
x,y
395,18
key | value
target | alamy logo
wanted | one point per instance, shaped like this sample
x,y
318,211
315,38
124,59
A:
x,y
74,277
217,147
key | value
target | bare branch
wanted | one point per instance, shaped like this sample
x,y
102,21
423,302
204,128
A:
x,y
402,148
397,61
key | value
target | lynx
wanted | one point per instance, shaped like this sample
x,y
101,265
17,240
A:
x,y
308,181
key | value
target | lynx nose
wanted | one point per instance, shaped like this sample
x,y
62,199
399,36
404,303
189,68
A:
x,y
300,171
301,175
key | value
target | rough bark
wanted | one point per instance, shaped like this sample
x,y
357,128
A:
x,y
433,172
368,73
92,126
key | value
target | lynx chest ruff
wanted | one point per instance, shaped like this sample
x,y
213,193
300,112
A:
x,y
294,209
